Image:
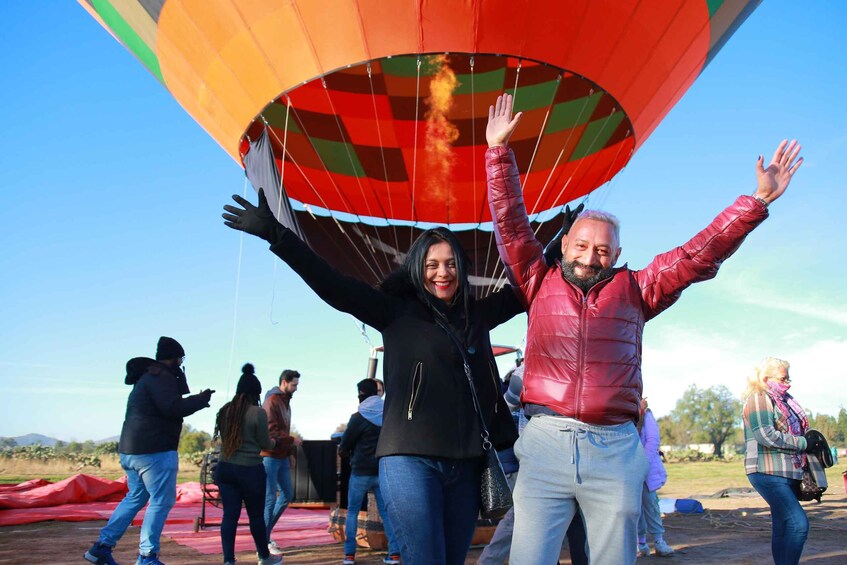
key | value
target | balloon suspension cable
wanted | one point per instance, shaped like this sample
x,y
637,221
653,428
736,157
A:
x,y
590,149
237,288
363,330
382,155
493,279
541,130
346,143
323,203
386,262
279,193
611,182
473,165
562,154
415,150
372,359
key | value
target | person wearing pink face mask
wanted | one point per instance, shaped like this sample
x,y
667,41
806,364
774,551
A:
x,y
777,443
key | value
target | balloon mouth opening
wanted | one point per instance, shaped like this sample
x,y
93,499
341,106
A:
x,y
408,131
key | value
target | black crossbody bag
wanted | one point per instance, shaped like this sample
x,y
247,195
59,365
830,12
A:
x,y
495,495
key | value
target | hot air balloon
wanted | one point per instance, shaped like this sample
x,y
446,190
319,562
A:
x,y
364,120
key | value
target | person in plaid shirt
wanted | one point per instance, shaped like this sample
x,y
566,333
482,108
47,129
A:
x,y
774,427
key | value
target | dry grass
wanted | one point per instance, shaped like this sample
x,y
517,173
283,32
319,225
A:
x,y
14,471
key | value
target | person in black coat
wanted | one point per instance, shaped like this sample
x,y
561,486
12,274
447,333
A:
x,y
359,442
430,448
148,449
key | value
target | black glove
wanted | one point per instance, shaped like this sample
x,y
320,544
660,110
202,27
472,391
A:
x,y
258,221
813,441
206,395
553,250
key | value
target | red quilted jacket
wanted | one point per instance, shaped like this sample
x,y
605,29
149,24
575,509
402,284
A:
x,y
583,351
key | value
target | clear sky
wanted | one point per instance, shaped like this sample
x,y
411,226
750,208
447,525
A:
x,y
112,233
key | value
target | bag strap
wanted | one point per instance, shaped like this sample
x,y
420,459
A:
x,y
486,444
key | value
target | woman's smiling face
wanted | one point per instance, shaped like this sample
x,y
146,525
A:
x,y
440,272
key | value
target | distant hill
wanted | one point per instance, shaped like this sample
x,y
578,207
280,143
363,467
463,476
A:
x,y
30,439
108,439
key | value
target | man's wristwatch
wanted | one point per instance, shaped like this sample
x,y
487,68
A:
x,y
761,200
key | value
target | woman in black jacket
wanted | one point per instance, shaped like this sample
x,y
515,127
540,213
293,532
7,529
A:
x,y
430,447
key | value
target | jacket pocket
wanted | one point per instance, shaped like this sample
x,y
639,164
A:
x,y
417,380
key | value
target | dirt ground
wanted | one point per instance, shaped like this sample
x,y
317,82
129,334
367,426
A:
x,y
733,530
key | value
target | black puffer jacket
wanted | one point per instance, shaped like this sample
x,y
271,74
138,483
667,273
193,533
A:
x,y
360,440
428,406
155,407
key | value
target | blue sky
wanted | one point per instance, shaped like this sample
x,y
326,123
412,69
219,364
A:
x,y
112,233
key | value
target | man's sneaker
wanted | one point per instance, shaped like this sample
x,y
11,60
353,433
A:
x,y
393,559
274,548
152,559
662,548
101,554
643,550
270,560
349,560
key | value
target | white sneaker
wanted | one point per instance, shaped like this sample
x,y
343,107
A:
x,y
271,560
662,548
643,550
274,548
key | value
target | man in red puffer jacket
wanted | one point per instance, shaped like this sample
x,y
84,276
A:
x,y
582,382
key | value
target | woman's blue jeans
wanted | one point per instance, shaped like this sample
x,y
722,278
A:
x,y
433,504
237,484
789,522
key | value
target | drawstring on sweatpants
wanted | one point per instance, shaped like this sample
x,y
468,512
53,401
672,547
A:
x,y
577,433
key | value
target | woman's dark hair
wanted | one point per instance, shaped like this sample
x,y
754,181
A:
x,y
230,422
413,271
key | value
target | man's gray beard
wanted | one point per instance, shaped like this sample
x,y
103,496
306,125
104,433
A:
x,y
569,273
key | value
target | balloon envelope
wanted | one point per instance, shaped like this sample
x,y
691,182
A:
x,y
376,109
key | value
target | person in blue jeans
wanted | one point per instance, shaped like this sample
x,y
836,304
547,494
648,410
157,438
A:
x,y
242,427
650,520
147,447
279,490
777,451
359,441
430,447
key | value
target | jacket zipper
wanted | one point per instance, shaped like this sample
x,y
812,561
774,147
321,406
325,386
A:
x,y
417,379
581,355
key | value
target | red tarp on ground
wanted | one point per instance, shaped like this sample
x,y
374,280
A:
x,y
40,501
76,489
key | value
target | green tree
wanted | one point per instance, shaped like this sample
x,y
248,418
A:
x,y
73,447
841,434
672,431
825,424
7,442
193,441
709,415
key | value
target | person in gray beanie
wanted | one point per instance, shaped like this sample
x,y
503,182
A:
x,y
148,449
